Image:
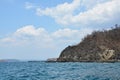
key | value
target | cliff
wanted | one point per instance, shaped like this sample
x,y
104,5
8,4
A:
x,y
100,46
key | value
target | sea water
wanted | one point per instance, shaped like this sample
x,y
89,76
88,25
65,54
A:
x,y
59,71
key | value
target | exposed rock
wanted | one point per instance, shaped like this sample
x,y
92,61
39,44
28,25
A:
x,y
99,46
106,55
52,60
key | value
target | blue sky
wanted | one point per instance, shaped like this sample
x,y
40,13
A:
x,y
41,29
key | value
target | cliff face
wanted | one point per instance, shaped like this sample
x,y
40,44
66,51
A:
x,y
99,46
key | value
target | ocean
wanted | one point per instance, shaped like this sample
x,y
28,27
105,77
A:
x,y
59,71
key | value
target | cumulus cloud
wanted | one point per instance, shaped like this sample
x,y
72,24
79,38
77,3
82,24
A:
x,y
69,33
88,4
39,37
60,10
100,12
65,33
27,35
29,30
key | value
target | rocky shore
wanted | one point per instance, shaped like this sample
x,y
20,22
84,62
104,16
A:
x,y
51,60
100,46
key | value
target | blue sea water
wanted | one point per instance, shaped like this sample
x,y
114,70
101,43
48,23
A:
x,y
59,71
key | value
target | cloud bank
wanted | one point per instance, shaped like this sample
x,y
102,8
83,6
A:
x,y
95,12
39,37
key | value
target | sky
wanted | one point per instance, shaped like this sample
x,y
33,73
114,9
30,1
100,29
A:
x,y
41,29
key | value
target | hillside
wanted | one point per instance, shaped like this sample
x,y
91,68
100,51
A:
x,y
98,46
9,60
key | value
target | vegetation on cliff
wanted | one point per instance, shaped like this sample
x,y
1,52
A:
x,y
98,46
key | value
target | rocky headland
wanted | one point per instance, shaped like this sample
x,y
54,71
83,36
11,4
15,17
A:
x,y
51,59
100,46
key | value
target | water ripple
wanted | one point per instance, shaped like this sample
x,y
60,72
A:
x,y
59,71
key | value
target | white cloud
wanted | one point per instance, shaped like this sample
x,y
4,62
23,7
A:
x,y
100,12
27,35
60,10
88,4
30,31
65,33
39,37
65,37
